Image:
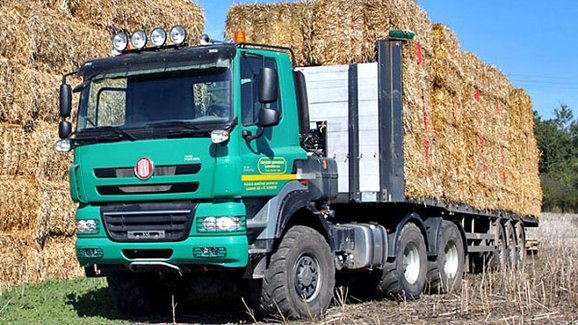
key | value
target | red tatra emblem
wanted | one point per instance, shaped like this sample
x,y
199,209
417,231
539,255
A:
x,y
143,168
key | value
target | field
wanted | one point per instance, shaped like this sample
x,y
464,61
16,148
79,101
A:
x,y
545,292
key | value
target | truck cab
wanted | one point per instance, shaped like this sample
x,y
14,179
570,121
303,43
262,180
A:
x,y
187,158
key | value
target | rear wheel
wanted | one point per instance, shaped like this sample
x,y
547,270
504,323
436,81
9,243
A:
x,y
404,279
499,257
512,247
300,279
446,272
521,244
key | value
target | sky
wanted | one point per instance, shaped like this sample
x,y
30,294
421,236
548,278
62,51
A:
x,y
534,42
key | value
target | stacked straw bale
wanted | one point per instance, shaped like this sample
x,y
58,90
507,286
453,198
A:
x,y
468,134
41,40
285,24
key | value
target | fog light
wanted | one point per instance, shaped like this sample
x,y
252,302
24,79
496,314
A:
x,y
89,252
209,252
89,226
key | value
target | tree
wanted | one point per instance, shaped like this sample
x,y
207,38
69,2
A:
x,y
558,142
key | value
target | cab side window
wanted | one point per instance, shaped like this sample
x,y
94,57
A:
x,y
250,105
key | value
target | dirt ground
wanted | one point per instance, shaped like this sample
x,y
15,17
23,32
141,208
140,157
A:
x,y
545,292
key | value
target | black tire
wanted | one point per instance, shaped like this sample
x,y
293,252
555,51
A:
x,y
499,257
521,244
300,278
132,293
404,278
446,272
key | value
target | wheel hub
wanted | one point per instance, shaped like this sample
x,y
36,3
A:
x,y
307,277
451,260
411,263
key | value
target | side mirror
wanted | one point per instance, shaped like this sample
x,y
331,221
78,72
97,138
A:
x,y
64,129
65,100
268,117
268,85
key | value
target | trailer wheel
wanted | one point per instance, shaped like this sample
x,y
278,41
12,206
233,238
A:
x,y
131,292
300,278
446,272
404,278
499,257
512,247
521,244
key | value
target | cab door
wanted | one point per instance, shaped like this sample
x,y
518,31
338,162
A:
x,y
267,161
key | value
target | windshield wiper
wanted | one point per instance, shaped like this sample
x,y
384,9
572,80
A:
x,y
184,124
186,128
119,134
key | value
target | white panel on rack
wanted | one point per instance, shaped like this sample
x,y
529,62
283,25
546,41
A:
x,y
328,93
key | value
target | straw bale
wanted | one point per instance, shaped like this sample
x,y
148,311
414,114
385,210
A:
x,y
19,203
31,154
339,33
447,55
19,258
56,211
58,259
381,16
132,15
42,38
281,24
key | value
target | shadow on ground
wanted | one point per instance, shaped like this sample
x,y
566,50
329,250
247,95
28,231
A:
x,y
199,308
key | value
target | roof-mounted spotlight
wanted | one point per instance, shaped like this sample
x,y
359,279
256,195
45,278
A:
x,y
178,35
158,37
138,40
119,43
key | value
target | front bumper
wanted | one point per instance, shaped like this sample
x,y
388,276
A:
x,y
233,251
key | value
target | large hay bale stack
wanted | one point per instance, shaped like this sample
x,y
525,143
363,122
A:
x,y
461,142
41,39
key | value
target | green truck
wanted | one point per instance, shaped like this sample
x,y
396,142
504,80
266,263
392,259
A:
x,y
201,168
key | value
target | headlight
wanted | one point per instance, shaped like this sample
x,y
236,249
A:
x,y
89,226
178,35
219,136
221,224
158,37
138,39
119,42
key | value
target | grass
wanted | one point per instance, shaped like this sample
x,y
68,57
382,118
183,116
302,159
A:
x,y
75,301
546,291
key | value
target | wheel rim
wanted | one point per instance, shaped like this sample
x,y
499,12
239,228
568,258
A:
x,y
521,245
451,264
307,277
411,263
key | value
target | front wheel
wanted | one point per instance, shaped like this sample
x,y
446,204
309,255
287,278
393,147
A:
x,y
300,278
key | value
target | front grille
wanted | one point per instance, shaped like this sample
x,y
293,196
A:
x,y
128,172
171,188
149,222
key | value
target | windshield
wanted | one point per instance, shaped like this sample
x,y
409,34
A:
x,y
198,95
